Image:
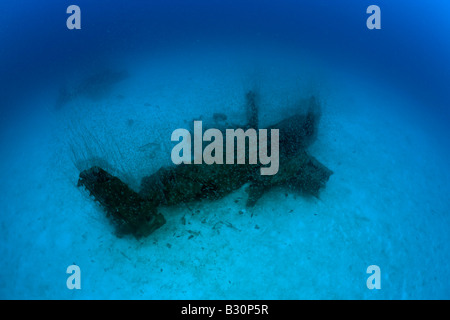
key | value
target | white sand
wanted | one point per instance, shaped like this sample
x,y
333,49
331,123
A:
x,y
386,203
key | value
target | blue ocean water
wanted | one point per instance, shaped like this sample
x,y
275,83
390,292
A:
x,y
136,70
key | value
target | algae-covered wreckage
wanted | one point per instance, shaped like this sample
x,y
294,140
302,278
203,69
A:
x,y
137,212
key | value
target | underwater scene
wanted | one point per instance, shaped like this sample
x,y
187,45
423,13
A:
x,y
211,149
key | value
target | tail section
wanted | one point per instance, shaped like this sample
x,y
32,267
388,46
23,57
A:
x,y
127,209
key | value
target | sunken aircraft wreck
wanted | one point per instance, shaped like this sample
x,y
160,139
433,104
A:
x,y
137,212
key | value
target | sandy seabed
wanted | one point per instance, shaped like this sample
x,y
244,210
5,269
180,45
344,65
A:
x,y
386,203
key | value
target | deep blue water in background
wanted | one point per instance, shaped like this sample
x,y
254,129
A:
x,y
412,48
411,54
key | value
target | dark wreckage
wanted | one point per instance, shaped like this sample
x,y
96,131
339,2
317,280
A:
x,y
137,212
